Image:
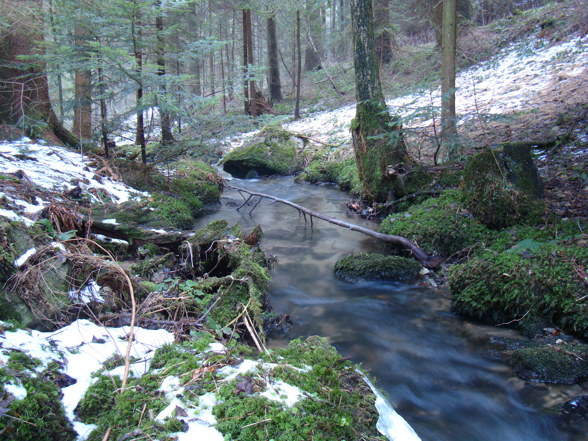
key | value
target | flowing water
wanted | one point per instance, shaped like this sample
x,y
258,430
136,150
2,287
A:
x,y
430,363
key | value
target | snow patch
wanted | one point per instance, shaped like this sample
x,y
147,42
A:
x,y
23,259
390,424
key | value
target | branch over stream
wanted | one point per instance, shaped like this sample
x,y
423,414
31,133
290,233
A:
x,y
417,252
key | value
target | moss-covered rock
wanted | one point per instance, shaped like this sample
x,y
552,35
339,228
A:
x,y
177,197
562,364
39,414
273,151
530,282
501,187
343,173
441,226
370,266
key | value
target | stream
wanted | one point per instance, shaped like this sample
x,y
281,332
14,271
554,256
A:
x,y
436,369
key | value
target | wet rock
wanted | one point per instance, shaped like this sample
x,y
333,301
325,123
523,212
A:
x,y
370,266
564,364
577,407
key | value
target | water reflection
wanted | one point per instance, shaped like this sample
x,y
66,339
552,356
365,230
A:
x,y
403,334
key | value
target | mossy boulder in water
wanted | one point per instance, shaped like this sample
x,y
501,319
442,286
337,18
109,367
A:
x,y
560,364
273,151
502,187
370,266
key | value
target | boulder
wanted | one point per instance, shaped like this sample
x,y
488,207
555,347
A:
x,y
502,186
371,266
273,151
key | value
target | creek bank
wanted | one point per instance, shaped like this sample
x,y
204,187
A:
x,y
208,290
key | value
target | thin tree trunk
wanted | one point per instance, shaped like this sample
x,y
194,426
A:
x,y
59,77
275,85
82,120
246,101
298,66
223,80
382,28
448,51
103,108
136,36
165,118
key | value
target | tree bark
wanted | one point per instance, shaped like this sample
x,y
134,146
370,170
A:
x,y
275,85
165,117
298,66
249,82
314,47
82,120
382,29
378,144
136,35
418,253
448,52
24,90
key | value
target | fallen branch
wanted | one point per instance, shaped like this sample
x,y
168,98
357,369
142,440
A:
x,y
417,252
308,138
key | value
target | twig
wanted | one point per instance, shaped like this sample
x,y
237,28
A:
x,y
255,424
107,434
515,320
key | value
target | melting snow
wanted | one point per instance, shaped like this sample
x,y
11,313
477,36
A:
x,y
390,424
23,259
58,169
83,347
493,87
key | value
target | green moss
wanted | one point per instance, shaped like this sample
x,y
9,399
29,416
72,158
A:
x,y
376,267
337,403
274,152
501,187
343,173
40,415
529,283
123,412
563,363
438,225
177,212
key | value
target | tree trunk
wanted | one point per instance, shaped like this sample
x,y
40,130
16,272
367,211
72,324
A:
x,y
24,90
82,121
249,85
382,29
275,85
448,52
313,54
298,66
246,31
165,118
136,36
379,147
